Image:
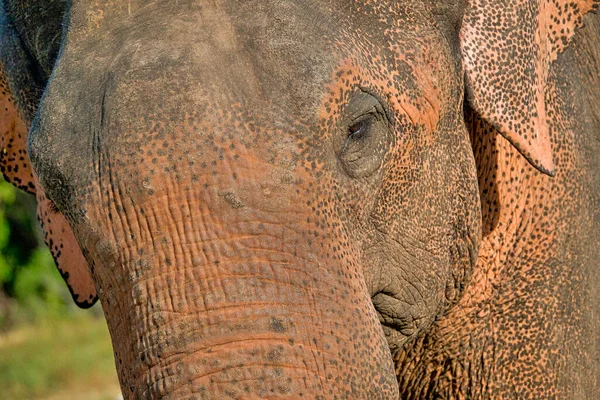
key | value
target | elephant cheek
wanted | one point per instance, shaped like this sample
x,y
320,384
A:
x,y
217,291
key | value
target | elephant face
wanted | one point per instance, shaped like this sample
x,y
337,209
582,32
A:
x,y
259,188
271,198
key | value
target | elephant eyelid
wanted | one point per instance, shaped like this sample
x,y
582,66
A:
x,y
383,107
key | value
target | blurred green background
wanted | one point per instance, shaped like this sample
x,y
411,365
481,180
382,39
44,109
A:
x,y
49,349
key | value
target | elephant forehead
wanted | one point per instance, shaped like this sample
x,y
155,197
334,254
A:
x,y
280,52
206,54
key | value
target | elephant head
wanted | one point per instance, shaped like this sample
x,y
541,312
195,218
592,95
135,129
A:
x,y
270,198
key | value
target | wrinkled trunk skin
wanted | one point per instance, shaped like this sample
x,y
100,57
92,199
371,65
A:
x,y
216,289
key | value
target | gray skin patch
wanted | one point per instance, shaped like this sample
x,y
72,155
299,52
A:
x,y
232,199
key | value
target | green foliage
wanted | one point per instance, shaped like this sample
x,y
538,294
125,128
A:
x,y
39,287
7,198
69,358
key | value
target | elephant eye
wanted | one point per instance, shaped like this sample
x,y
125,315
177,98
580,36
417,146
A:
x,y
366,135
360,130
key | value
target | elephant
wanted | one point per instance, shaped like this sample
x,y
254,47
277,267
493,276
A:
x,y
329,199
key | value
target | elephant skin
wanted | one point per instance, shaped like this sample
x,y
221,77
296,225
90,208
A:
x,y
319,199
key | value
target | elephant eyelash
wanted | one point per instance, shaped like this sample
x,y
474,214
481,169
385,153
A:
x,y
52,207
359,129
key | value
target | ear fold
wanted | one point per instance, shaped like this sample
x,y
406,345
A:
x,y
66,252
16,168
507,48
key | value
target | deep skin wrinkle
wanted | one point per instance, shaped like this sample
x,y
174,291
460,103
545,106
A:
x,y
286,199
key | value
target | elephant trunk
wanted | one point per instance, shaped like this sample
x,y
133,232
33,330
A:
x,y
225,289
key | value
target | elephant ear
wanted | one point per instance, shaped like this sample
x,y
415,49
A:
x,y
507,48
15,118
14,163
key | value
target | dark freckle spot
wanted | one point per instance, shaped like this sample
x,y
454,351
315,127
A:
x,y
276,325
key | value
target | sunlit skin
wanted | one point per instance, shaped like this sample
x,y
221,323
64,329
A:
x,y
318,199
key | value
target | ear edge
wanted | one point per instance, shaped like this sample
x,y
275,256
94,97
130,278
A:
x,y
67,254
14,161
522,118
83,304
539,157
80,287
538,153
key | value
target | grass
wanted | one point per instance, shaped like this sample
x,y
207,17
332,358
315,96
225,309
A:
x,y
69,358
